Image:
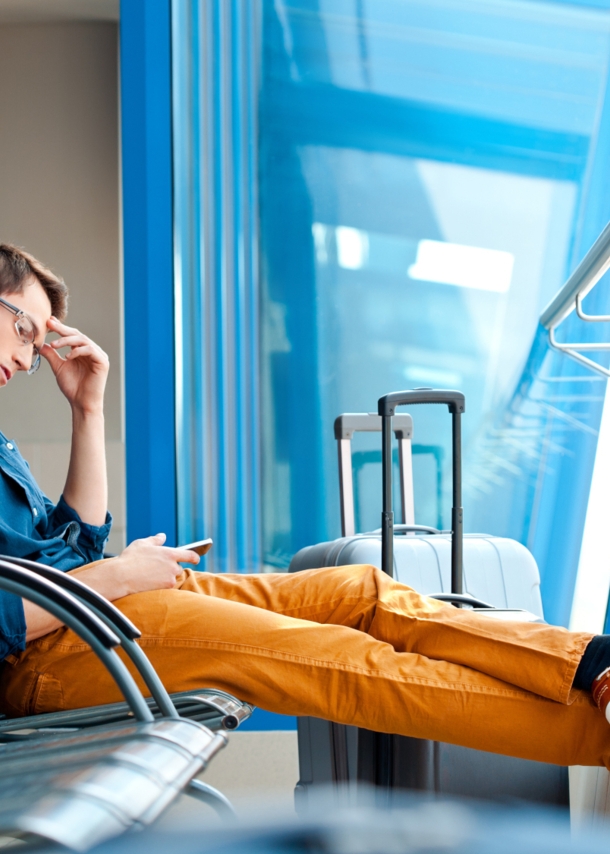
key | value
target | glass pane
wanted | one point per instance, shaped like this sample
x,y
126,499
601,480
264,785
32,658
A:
x,y
423,188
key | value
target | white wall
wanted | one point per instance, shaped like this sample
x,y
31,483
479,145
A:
x,y
59,198
593,579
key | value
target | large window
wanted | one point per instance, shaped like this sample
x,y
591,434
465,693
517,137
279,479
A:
x,y
371,195
428,174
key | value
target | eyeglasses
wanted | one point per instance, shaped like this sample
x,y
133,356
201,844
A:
x,y
26,332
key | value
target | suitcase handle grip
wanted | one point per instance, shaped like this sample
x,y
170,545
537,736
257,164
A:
x,y
368,422
354,422
413,529
462,599
455,400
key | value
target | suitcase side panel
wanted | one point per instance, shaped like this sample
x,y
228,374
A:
x,y
497,570
314,557
477,774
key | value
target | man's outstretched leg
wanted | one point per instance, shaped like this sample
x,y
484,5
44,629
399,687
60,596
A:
x,y
297,666
540,658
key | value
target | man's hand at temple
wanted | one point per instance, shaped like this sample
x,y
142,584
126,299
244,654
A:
x,y
81,376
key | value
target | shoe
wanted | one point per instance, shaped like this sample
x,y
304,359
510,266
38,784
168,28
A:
x,y
601,692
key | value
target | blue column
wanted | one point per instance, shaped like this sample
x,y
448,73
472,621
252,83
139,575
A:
x,y
148,267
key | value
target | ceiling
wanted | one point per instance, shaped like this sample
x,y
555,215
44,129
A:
x,y
38,11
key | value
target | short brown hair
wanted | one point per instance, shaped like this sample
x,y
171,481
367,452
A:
x,y
17,266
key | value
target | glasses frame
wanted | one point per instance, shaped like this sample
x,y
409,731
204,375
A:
x,y
21,315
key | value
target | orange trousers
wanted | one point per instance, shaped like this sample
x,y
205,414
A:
x,y
348,644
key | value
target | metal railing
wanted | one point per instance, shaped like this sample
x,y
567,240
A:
x,y
590,270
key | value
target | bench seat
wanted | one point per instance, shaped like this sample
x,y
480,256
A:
x,y
83,788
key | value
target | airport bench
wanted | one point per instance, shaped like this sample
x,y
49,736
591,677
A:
x,y
80,777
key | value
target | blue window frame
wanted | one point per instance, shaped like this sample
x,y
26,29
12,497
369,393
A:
x,y
146,146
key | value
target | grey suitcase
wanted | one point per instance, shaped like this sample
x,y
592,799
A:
x,y
494,574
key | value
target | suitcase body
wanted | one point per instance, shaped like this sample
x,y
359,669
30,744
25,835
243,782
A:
x,y
499,571
496,570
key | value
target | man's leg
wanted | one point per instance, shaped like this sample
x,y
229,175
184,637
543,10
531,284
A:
x,y
542,659
296,666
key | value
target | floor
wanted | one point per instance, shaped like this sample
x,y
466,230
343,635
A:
x,y
258,771
255,770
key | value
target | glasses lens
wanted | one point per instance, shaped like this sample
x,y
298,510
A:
x,y
35,362
25,330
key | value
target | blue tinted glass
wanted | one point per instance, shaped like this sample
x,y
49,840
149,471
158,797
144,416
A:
x,y
425,185
427,274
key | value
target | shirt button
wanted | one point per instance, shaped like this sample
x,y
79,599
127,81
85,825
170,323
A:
x,y
10,446
35,512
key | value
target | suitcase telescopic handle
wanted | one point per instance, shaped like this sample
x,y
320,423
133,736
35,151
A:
x,y
368,422
455,400
456,403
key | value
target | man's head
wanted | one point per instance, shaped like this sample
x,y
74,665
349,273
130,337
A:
x,y
31,288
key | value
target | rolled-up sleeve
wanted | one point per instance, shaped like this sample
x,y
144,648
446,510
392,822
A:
x,y
12,624
32,526
87,540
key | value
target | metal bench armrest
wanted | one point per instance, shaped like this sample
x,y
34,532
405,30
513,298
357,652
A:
x,y
87,625
112,617
111,614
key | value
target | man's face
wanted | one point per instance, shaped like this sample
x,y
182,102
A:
x,y
14,354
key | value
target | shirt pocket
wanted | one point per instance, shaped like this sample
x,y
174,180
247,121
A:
x,y
15,467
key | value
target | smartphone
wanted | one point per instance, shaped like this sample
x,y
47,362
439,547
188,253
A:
x,y
201,547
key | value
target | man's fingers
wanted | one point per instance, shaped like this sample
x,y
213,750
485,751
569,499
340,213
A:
x,y
89,351
81,345
52,357
154,540
185,556
85,350
69,341
57,326
76,352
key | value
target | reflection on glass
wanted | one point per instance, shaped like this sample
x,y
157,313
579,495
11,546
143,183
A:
x,y
464,266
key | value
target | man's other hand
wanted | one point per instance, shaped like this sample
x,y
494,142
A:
x,y
148,565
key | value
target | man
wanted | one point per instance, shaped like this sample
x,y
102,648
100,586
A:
x,y
348,644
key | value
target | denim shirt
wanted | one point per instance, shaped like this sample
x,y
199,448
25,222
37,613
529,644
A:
x,y
31,526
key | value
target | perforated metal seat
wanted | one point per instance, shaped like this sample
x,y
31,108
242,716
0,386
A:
x,y
78,790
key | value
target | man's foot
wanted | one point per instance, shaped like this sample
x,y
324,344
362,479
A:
x,y
601,692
